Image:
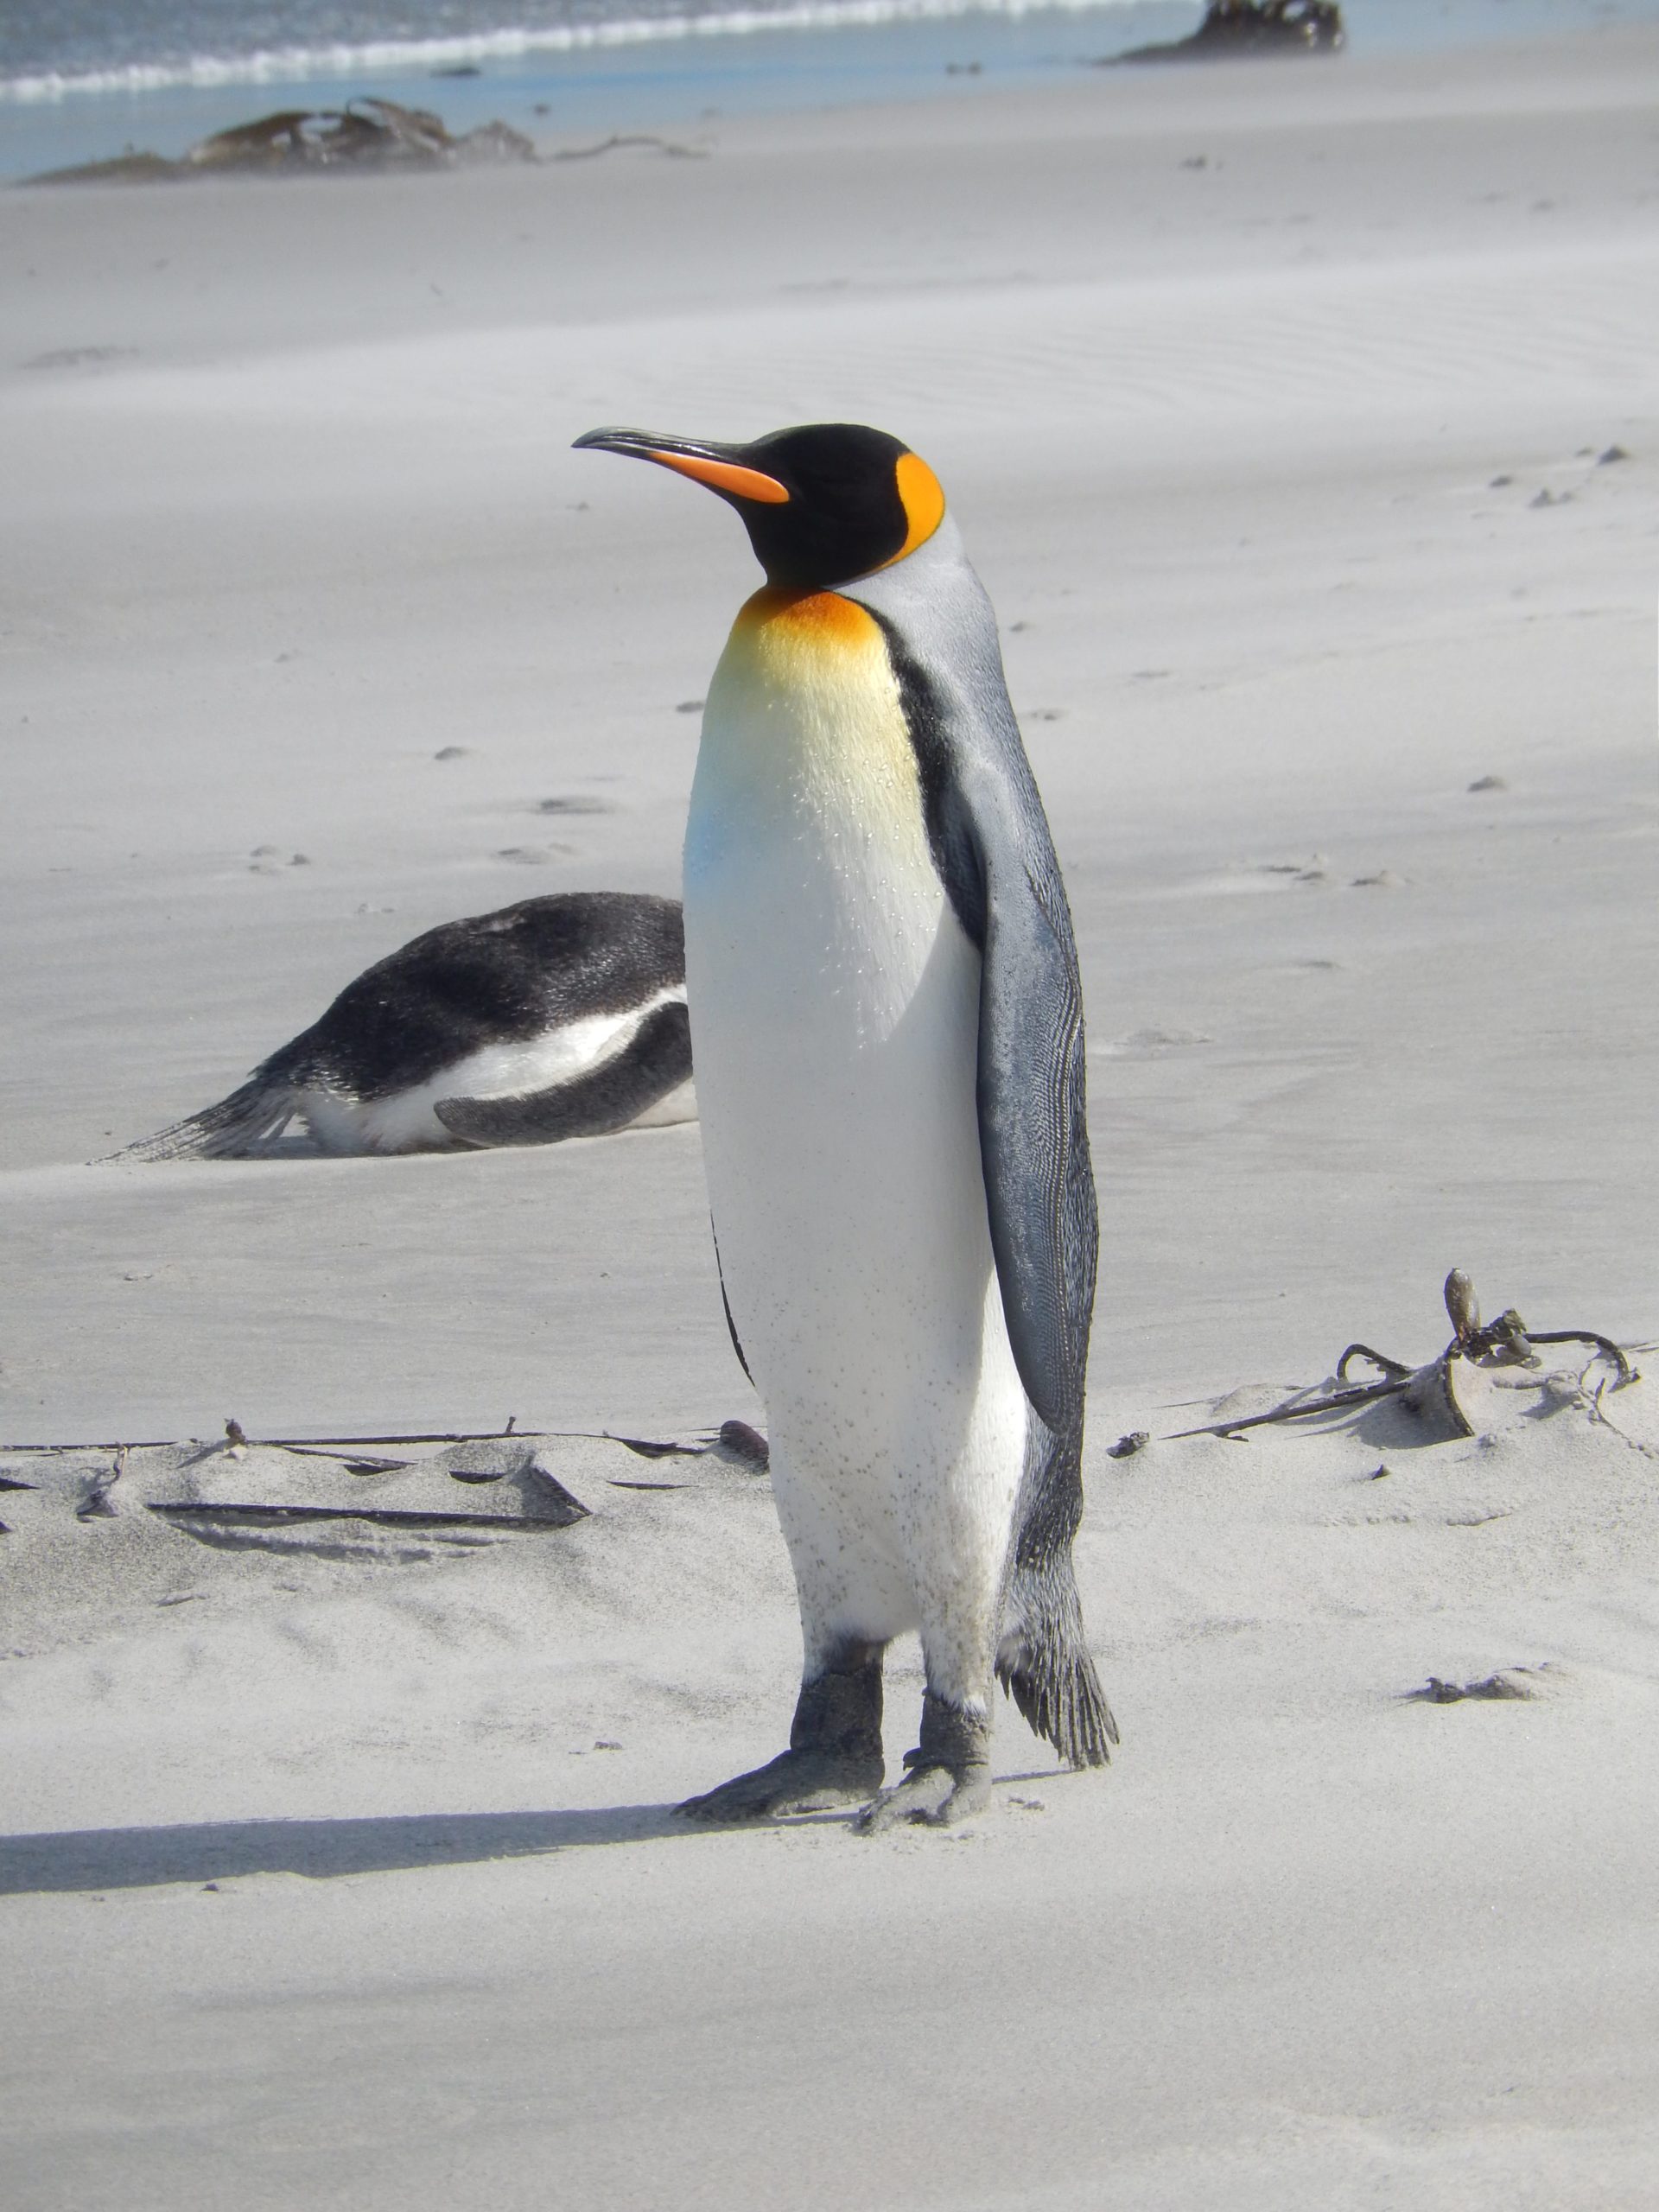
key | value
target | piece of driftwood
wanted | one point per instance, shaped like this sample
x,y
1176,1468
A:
x,y
316,1446
372,134
1429,1390
737,1438
383,1516
1248,30
356,1462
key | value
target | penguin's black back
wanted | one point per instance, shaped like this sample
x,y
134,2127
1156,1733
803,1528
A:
x,y
489,979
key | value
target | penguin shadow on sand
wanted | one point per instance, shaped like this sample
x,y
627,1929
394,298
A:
x,y
209,1852
221,1851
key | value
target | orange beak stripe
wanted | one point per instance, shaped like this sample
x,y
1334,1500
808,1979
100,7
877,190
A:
x,y
726,476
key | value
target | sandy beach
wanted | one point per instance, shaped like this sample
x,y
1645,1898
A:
x,y
1302,423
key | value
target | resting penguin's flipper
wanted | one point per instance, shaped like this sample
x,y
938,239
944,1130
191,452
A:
x,y
240,1127
656,1060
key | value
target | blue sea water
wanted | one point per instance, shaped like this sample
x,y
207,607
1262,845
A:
x,y
81,80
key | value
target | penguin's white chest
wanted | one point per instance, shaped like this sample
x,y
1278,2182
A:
x,y
834,1009
810,888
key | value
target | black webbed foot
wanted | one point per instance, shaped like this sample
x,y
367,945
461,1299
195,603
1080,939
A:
x,y
795,1781
834,1750
949,1773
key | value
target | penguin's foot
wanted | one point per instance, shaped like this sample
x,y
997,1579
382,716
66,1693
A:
x,y
949,1773
931,1794
795,1781
835,1749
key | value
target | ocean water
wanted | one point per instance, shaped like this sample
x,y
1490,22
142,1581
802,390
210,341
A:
x,y
81,80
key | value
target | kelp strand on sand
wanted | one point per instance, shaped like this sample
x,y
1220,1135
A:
x,y
737,1438
235,1434
1430,1391
365,134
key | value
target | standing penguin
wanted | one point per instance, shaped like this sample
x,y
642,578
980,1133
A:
x,y
901,1193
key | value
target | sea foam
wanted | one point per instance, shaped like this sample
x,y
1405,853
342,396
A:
x,y
298,64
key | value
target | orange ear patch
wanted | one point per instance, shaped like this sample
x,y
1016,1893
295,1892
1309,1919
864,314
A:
x,y
923,502
726,476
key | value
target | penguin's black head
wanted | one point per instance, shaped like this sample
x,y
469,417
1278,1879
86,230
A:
x,y
822,503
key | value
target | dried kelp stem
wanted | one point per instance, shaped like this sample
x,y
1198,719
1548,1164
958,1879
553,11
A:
x,y
1337,1401
1604,1345
1378,1359
618,139
1506,1339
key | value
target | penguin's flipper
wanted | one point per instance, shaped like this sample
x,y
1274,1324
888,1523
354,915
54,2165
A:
x,y
991,845
1040,1198
1042,1661
1039,1185
656,1059
996,857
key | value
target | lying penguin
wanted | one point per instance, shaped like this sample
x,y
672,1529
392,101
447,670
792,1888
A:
x,y
558,1017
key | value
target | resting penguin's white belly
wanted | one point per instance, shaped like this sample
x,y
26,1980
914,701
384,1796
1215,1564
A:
x,y
407,1121
835,1006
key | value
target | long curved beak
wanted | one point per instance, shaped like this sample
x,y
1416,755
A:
x,y
721,467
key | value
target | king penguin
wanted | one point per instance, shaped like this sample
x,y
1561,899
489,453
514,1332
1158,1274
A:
x,y
886,1020
562,1016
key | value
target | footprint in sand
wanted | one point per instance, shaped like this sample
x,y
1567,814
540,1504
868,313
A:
x,y
574,803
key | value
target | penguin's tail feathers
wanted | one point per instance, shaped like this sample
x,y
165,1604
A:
x,y
241,1126
1043,1664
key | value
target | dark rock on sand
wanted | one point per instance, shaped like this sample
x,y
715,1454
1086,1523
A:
x,y
1246,30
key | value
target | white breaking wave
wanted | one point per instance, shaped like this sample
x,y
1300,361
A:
x,y
297,64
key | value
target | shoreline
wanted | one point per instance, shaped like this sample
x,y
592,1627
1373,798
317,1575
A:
x,y
692,77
